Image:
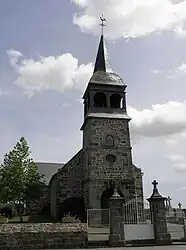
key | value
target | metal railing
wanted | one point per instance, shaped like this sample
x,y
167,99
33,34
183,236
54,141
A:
x,y
136,211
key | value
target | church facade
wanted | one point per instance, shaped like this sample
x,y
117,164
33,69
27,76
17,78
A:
x,y
86,181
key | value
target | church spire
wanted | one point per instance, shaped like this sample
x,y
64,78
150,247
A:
x,y
102,62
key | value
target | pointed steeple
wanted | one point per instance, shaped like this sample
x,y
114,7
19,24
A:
x,y
102,62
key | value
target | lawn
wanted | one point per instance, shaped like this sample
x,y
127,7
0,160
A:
x,y
17,219
33,219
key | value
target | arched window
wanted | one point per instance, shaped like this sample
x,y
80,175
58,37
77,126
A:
x,y
100,100
116,101
109,140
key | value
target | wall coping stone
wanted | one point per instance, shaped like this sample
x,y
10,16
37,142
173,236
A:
x,y
42,227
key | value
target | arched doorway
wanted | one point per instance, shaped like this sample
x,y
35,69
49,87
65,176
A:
x,y
106,195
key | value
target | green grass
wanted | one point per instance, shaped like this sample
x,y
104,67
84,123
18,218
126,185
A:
x,y
17,219
33,219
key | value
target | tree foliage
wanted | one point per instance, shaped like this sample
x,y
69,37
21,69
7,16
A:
x,y
18,173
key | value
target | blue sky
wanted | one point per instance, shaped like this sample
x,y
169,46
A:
x,y
46,58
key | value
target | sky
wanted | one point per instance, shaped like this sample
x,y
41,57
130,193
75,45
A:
x,y
47,53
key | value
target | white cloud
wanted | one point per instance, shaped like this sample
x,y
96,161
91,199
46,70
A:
x,y
182,68
163,125
161,120
134,18
176,158
177,153
14,56
180,167
178,71
156,72
49,73
178,161
182,189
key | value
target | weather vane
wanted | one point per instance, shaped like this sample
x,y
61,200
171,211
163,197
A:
x,y
102,24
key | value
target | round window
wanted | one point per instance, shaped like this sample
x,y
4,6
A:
x,y
111,158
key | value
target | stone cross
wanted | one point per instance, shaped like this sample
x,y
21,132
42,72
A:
x,y
169,201
155,183
102,24
179,206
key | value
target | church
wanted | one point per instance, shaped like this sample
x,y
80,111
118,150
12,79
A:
x,y
86,181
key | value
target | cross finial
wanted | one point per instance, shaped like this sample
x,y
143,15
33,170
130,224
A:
x,y
169,201
115,194
169,198
155,183
179,205
102,24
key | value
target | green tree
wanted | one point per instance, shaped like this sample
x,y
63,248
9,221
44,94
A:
x,y
18,173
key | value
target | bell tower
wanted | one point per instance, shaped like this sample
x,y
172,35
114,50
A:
x,y
106,137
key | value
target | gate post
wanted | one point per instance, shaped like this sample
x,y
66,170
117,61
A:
x,y
117,235
158,217
184,238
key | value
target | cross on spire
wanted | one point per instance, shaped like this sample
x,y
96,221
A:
x,y
155,183
102,24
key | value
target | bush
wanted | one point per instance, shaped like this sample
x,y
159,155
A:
x,y
8,210
3,219
68,218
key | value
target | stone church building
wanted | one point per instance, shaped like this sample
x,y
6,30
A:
x,y
86,180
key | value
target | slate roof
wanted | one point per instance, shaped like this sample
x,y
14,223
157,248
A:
x,y
102,62
103,73
48,169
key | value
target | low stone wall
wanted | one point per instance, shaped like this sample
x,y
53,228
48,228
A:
x,y
43,236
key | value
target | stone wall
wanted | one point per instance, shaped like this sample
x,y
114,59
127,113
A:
x,y
97,148
43,236
70,178
100,170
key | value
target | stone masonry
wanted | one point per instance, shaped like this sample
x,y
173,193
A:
x,y
100,171
43,236
66,184
158,215
86,181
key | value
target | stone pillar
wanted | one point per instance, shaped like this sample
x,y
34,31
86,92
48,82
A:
x,y
158,217
117,235
184,228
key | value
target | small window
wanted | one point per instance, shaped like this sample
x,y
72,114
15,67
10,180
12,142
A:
x,y
111,158
109,140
